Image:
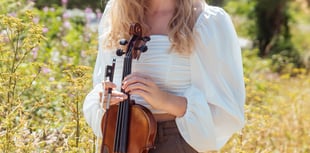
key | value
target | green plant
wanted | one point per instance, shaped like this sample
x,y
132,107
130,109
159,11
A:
x,y
18,38
77,77
34,116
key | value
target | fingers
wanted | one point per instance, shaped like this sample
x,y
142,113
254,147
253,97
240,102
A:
x,y
137,81
116,97
108,85
136,86
142,93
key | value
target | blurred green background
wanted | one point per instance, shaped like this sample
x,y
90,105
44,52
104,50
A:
x,y
82,4
48,50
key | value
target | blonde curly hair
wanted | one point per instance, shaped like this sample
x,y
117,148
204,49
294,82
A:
x,y
123,13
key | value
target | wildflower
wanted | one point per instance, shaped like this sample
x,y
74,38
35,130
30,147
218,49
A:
x,y
45,30
98,14
89,14
35,52
52,9
36,20
65,15
45,70
34,83
64,2
88,10
45,9
51,79
67,24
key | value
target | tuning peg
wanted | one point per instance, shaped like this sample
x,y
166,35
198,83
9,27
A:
x,y
146,38
119,52
123,42
143,48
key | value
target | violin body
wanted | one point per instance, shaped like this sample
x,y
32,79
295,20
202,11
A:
x,y
141,131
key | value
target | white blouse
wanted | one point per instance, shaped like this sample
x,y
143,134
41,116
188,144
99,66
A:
x,y
211,79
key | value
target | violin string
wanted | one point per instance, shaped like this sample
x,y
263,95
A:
x,y
120,128
125,111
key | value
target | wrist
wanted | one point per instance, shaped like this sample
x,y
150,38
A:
x,y
175,105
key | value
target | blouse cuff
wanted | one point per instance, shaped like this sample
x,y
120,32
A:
x,y
205,126
93,111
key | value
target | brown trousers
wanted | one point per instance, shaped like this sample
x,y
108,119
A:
x,y
169,139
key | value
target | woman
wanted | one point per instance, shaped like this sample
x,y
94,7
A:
x,y
191,77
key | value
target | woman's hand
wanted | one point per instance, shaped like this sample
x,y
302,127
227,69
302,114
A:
x,y
116,96
144,86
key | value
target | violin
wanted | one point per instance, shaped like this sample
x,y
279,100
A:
x,y
129,127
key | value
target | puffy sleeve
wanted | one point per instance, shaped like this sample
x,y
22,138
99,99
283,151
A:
x,y
92,109
103,57
215,108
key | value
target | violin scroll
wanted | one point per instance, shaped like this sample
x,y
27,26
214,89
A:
x,y
136,44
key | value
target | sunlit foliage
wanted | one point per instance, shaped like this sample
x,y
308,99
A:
x,y
46,62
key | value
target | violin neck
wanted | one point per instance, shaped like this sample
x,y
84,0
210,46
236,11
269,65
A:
x,y
127,66
120,143
126,71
